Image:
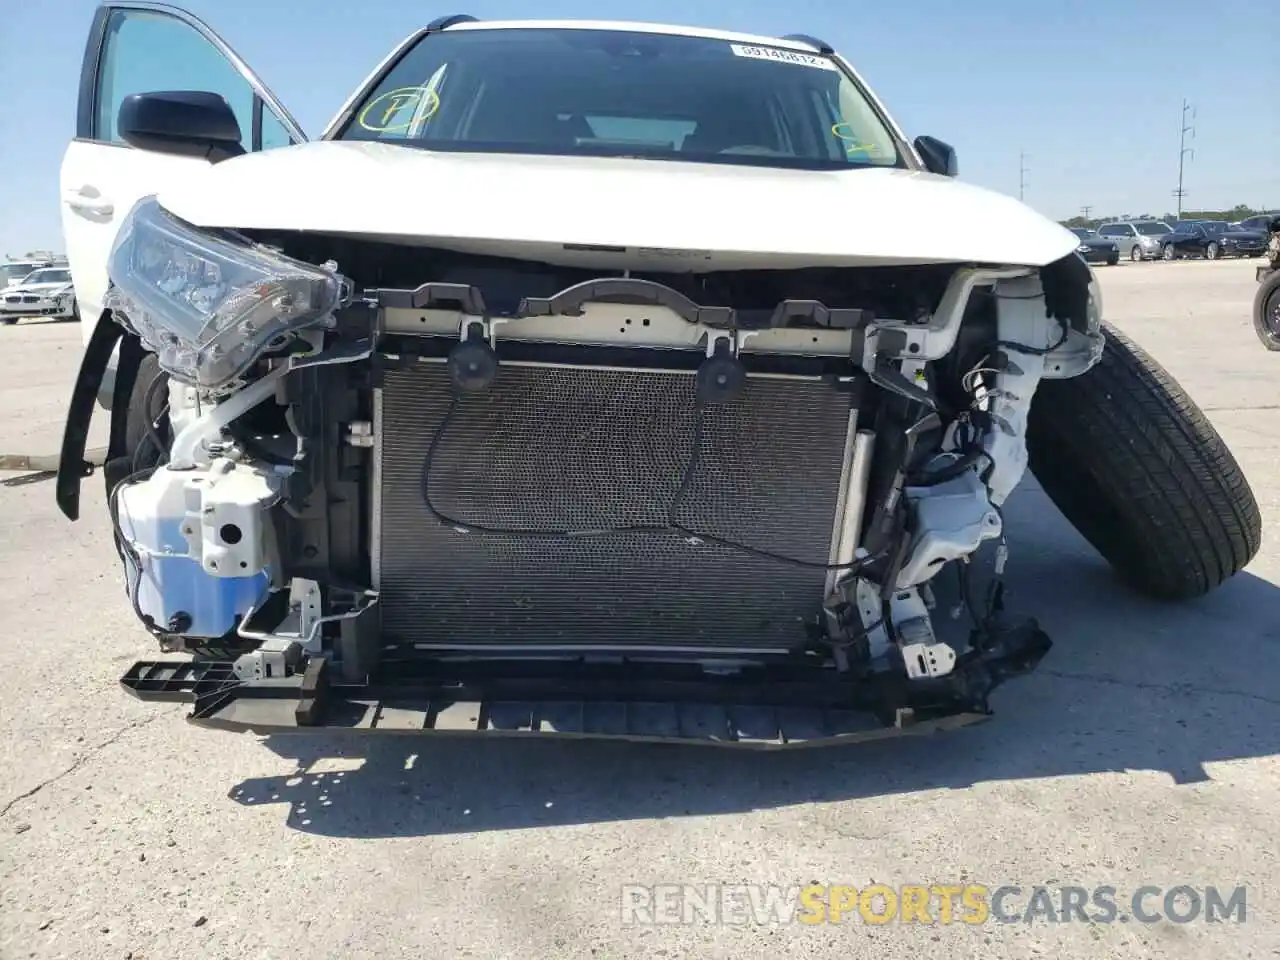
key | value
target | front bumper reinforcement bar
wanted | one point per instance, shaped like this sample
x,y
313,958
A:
x,y
760,707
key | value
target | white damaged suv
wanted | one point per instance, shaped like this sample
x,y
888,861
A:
x,y
590,379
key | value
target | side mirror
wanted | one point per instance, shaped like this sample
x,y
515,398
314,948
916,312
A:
x,y
185,123
938,157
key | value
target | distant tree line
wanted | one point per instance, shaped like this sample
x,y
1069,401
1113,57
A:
x,y
1238,212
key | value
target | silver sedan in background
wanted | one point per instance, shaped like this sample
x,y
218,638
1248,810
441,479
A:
x,y
1137,239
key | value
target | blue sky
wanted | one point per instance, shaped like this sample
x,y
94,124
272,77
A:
x,y
1091,92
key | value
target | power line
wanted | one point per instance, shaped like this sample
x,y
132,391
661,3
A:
x,y
1022,175
1184,150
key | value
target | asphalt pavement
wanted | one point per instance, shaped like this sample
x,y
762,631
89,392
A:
x,y
1143,753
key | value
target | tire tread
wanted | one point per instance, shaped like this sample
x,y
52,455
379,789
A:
x,y
1177,516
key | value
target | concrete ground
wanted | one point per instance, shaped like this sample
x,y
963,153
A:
x,y
1143,752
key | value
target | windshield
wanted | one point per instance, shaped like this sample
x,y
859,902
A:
x,y
48,276
617,93
9,272
1213,226
1082,233
1152,229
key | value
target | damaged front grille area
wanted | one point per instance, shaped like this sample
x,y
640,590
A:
x,y
561,454
602,503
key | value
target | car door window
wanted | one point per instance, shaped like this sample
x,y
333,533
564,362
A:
x,y
148,51
145,51
273,132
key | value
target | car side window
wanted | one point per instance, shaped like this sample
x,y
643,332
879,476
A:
x,y
273,132
147,51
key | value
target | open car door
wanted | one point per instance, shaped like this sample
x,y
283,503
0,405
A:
x,y
141,47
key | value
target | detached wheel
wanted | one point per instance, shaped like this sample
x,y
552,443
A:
x,y
1137,468
1266,312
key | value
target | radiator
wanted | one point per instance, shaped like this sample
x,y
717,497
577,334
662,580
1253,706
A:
x,y
573,448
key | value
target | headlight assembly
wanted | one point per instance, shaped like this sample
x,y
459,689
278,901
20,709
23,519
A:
x,y
209,306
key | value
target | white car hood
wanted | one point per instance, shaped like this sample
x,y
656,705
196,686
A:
x,y
690,216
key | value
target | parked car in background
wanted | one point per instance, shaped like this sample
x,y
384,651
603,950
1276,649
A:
x,y
1096,249
42,293
1237,241
1261,222
1212,239
1137,239
14,271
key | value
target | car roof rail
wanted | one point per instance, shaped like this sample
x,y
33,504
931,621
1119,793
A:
x,y
821,46
444,23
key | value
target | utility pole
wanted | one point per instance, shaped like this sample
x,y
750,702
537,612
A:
x,y
1184,150
1022,175
1086,210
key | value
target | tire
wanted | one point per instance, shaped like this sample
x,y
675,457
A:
x,y
1212,251
1135,254
1168,253
1266,312
135,430
1138,469
9,321
1112,261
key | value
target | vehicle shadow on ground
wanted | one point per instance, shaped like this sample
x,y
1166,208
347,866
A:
x,y
1129,685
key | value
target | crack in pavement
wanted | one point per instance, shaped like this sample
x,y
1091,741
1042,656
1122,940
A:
x,y
79,762
1182,688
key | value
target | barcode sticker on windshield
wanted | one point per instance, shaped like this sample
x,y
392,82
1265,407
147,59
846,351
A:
x,y
781,56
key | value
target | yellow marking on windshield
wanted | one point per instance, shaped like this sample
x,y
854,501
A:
x,y
424,101
844,131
